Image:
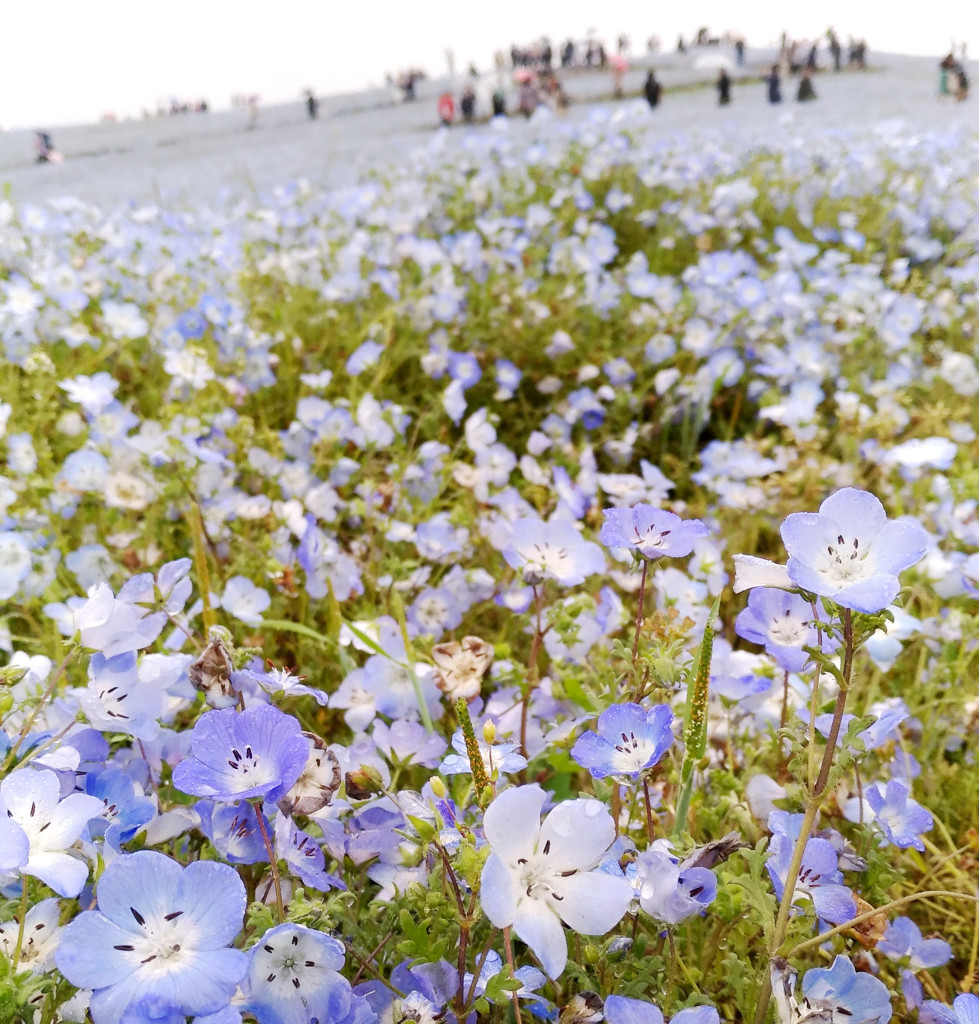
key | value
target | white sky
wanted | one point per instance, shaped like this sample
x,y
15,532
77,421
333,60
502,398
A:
x,y
73,60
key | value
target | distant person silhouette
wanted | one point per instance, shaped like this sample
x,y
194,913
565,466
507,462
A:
x,y
44,149
312,105
723,88
467,104
774,83
806,91
652,89
446,108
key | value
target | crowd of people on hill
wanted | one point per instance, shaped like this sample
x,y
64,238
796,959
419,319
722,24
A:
x,y
534,70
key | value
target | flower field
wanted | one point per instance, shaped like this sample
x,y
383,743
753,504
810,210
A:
x,y
537,582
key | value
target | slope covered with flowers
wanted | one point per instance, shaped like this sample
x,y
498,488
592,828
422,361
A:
x,y
539,579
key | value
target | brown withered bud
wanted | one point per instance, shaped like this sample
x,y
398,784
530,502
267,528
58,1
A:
x,y
714,853
211,673
868,933
461,665
317,785
363,783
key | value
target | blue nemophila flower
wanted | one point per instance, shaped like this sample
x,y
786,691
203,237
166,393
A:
x,y
820,879
117,700
435,983
899,817
237,755
623,1010
234,831
16,562
553,550
530,978
651,532
293,977
966,1008
782,623
37,827
849,552
628,742
125,807
160,931
499,758
540,874
835,995
669,891
303,856
903,938
244,601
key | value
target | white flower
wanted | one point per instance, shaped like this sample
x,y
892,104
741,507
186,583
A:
x,y
540,874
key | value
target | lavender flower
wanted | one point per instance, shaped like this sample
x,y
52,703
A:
x,y
849,552
651,532
629,741
553,550
237,755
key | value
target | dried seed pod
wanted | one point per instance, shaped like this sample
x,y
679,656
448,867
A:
x,y
460,666
317,785
211,673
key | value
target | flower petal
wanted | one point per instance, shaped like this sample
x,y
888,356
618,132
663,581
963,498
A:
x,y
750,571
592,902
537,925
576,834
512,822
498,891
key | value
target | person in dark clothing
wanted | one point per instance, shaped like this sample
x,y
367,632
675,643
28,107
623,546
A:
x,y
312,105
835,49
774,83
723,88
499,101
467,104
806,91
652,89
962,81
44,148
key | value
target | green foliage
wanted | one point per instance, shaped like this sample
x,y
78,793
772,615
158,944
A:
x,y
427,923
20,993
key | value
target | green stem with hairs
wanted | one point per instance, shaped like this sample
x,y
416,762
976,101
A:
x,y
695,721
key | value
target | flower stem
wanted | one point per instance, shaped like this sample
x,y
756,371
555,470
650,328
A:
x,y
478,970
818,940
640,603
273,865
809,818
196,524
531,681
513,973
42,700
671,983
649,808
18,949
